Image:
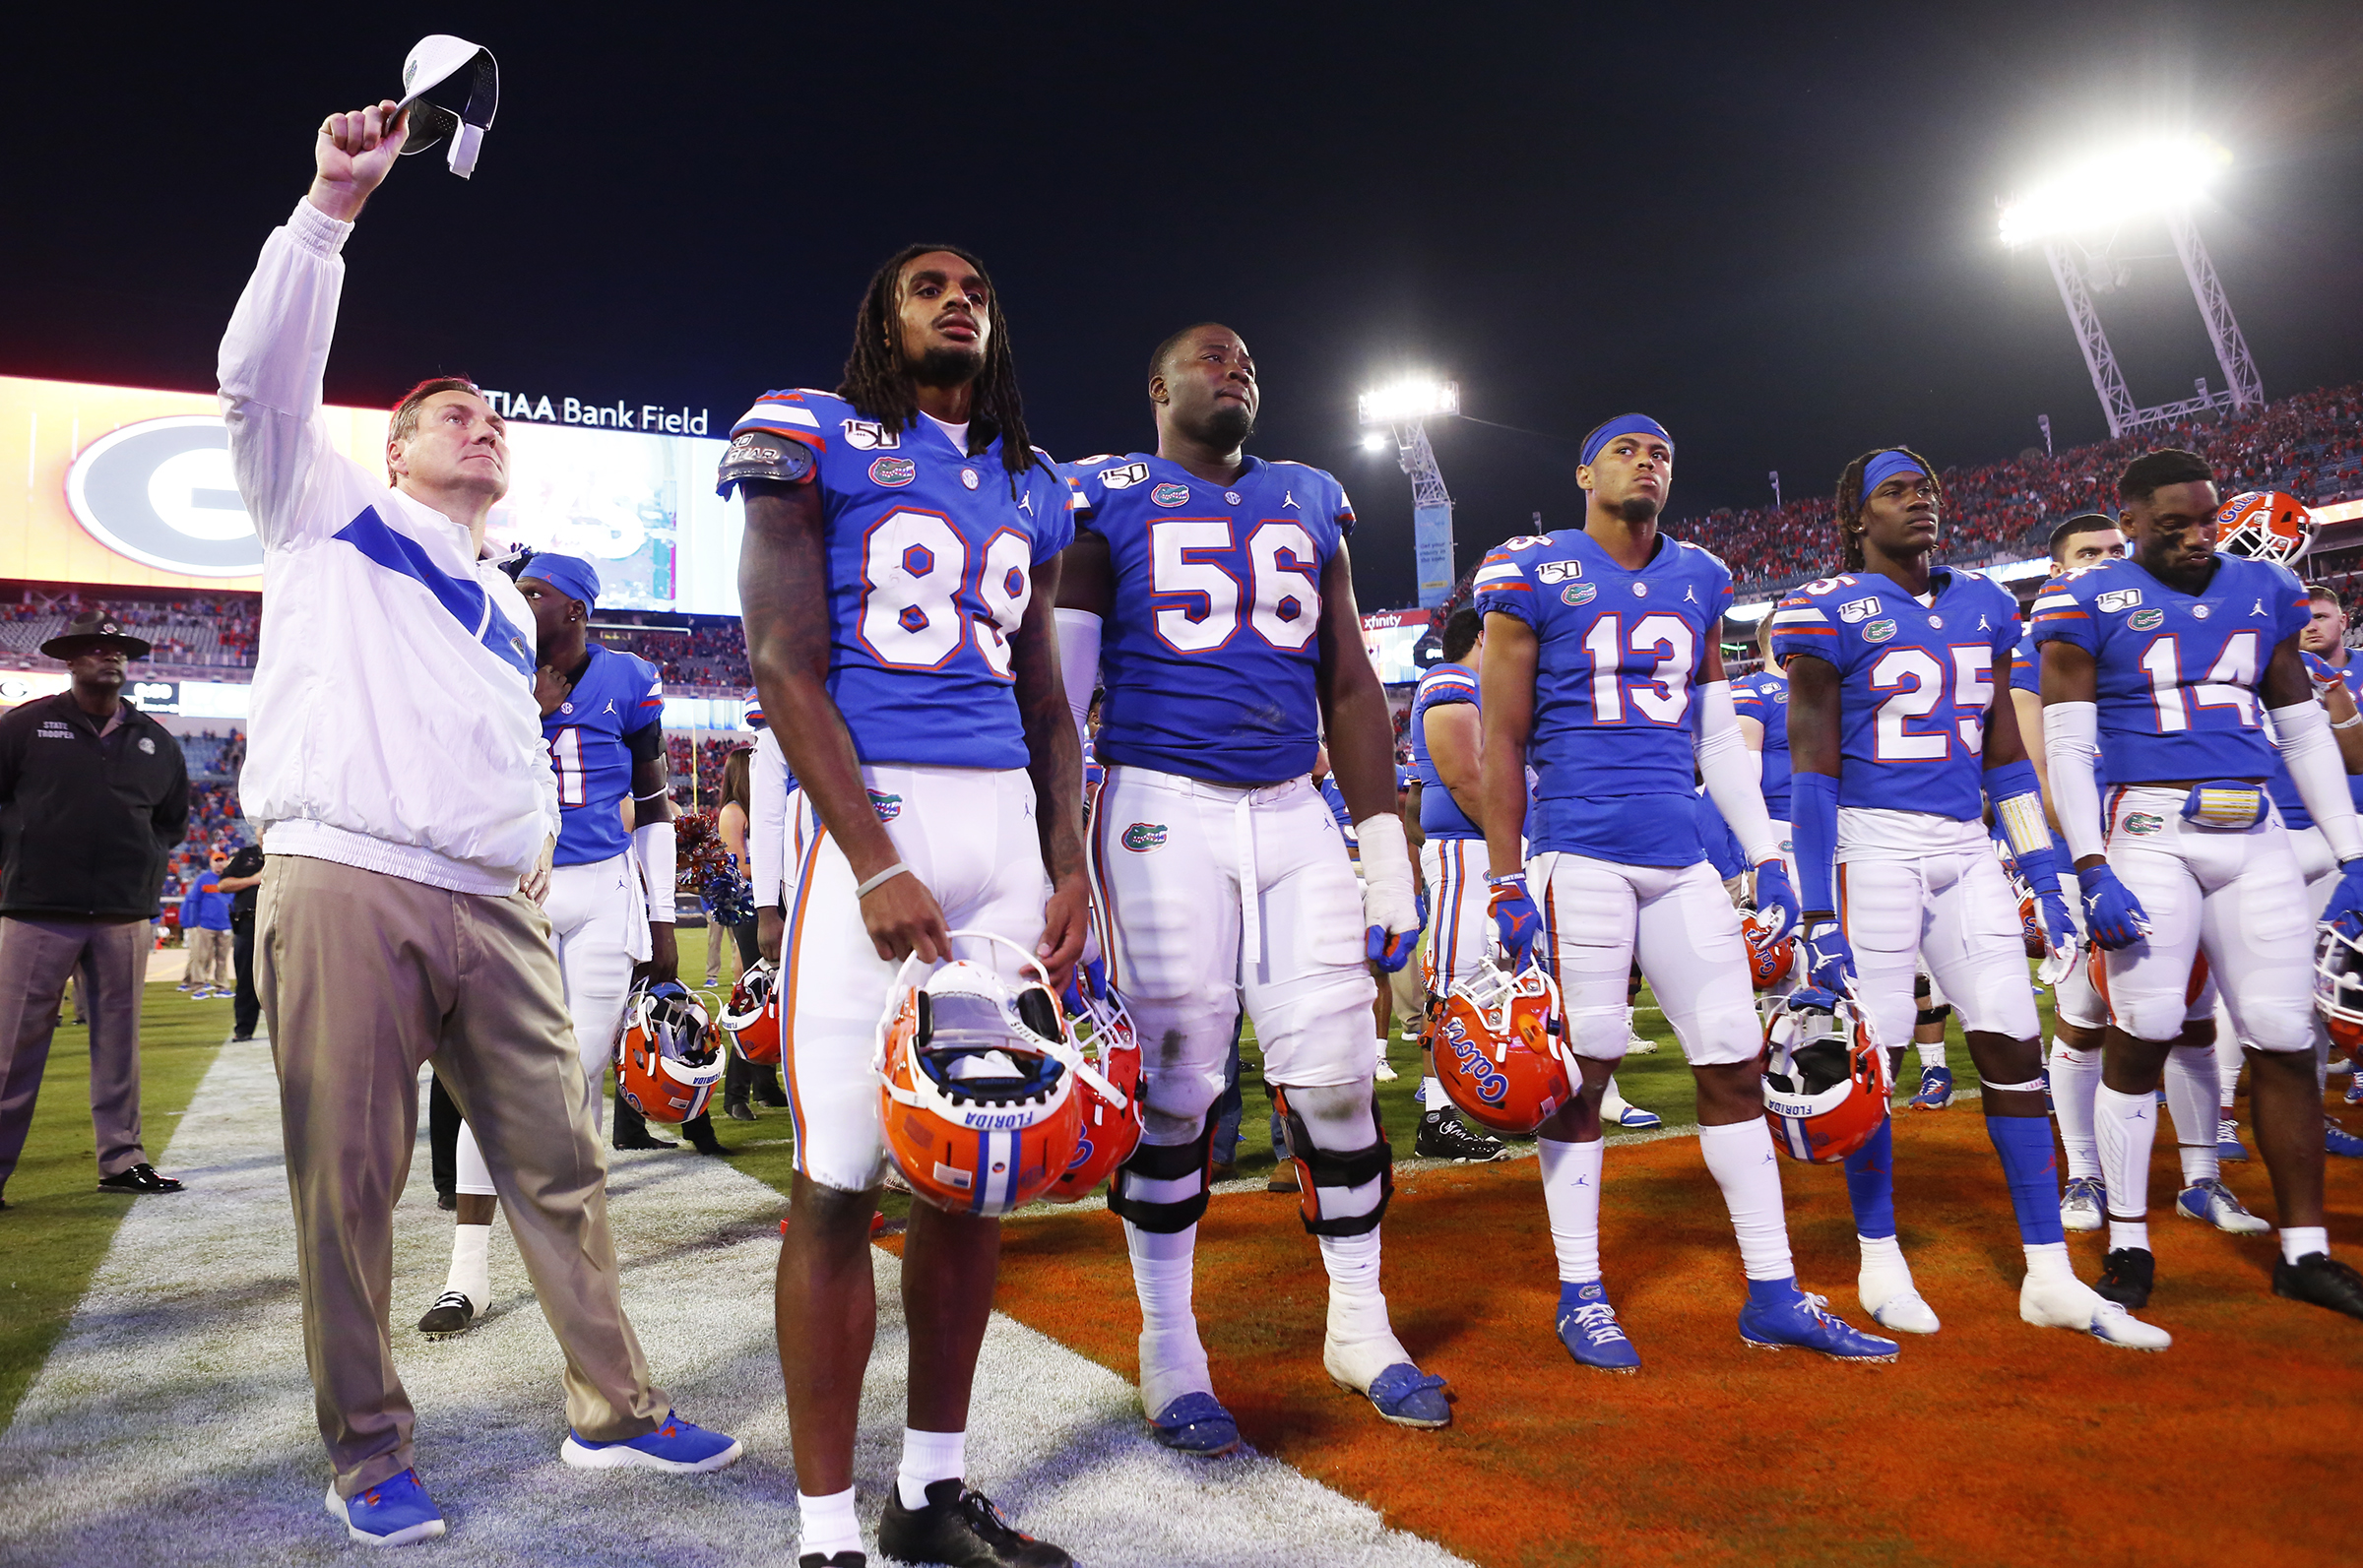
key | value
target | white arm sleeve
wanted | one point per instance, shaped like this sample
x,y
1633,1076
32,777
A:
x,y
2071,744
1734,773
767,823
652,847
1079,662
273,358
2303,731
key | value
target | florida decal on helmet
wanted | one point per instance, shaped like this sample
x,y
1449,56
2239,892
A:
x,y
2264,526
1825,1079
1770,957
668,1052
1501,1050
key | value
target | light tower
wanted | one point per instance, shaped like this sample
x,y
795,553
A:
x,y
1405,408
2077,218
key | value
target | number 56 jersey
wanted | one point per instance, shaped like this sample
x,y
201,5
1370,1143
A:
x,y
1914,682
930,568
1614,717
1211,642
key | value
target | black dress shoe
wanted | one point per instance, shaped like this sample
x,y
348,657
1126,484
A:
x,y
841,1560
699,1130
767,1088
963,1529
447,1201
640,1138
139,1178
2323,1280
740,1110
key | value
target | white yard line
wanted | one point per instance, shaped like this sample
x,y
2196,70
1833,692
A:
x,y
174,1421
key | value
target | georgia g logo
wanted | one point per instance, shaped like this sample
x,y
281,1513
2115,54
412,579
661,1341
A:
x,y
161,491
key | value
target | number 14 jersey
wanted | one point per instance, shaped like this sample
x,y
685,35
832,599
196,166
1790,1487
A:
x,y
1211,641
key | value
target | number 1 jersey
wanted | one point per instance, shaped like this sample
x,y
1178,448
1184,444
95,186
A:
x,y
930,568
1211,640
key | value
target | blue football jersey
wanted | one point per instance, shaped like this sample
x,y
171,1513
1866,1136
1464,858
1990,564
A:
x,y
1440,816
2177,672
1210,648
1914,682
931,555
619,695
1764,698
1615,727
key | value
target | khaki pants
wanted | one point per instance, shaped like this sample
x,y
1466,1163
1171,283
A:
x,y
107,958
363,977
208,955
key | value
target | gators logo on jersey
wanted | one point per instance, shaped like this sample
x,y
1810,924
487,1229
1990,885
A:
x,y
1171,495
2147,620
1578,592
2142,822
1142,836
893,471
1879,631
888,807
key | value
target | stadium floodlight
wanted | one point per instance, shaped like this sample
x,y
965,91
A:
x,y
2105,191
1376,441
1416,397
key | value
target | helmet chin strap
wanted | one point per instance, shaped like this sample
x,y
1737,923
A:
x,y
434,60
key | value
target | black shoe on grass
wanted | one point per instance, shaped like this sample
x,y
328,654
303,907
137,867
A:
x,y
963,1529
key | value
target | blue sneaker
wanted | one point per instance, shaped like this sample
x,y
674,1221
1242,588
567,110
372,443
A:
x,y
2336,1140
1935,1089
1195,1423
2227,1140
2354,1089
1800,1321
1588,1327
1408,1397
1632,1116
676,1445
394,1513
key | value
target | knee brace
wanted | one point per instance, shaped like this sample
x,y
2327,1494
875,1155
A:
x,y
1181,1173
1933,1015
1327,1179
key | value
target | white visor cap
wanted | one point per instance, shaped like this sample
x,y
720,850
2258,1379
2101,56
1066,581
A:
x,y
434,60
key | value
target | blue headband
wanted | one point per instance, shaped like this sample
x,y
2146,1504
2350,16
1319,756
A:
x,y
1885,467
570,575
1621,424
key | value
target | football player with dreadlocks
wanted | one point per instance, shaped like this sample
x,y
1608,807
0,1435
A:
x,y
897,580
1898,742
1215,591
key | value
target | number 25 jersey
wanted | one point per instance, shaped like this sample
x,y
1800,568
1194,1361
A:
x,y
1211,641
1914,682
930,568
2178,673
1614,717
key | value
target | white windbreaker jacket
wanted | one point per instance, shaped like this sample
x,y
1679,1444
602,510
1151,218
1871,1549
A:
x,y
394,725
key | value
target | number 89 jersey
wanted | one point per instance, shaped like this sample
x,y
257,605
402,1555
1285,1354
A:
x,y
930,562
2178,673
1211,640
1614,714
1914,682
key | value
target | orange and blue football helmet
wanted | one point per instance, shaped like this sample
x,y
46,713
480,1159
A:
x,y
1500,1049
1771,959
668,1052
1102,1033
2264,526
2338,984
1826,1084
753,1017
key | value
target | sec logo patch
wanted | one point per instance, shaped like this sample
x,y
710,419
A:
x,y
892,471
1142,836
1171,495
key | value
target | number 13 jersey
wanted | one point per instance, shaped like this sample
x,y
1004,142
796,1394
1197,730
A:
x,y
930,568
1211,642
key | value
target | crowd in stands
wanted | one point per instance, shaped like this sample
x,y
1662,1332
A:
x,y
687,650
703,786
219,631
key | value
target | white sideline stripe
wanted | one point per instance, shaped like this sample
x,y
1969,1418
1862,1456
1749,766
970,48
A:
x,y
173,1421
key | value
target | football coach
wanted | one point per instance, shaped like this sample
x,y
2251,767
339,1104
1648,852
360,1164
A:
x,y
409,810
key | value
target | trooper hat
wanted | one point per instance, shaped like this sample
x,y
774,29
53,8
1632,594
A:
x,y
434,60
93,629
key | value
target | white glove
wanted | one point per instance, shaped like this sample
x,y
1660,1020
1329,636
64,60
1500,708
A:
x,y
1391,914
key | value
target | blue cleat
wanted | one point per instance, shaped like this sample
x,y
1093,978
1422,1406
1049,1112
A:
x,y
2336,1140
1637,1119
394,1513
679,1446
1588,1327
1195,1423
1800,1321
2227,1140
1935,1089
2354,1089
1408,1397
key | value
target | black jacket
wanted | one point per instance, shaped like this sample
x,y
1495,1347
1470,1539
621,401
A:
x,y
87,826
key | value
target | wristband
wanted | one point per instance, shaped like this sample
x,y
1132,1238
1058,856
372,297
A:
x,y
880,880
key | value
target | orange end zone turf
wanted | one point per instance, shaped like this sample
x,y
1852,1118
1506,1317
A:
x,y
1990,1443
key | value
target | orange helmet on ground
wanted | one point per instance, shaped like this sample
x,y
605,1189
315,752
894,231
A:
x,y
977,1084
1110,1119
1826,1084
2338,984
1500,1051
668,1052
1769,959
2097,957
2265,525
752,1020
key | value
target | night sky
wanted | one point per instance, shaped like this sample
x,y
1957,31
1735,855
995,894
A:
x,y
1770,226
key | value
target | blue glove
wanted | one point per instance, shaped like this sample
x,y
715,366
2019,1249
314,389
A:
x,y
2051,905
1516,920
2346,899
1829,958
1774,897
1419,901
1390,953
1089,984
2115,918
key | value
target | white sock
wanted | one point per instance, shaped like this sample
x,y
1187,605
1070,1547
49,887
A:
x,y
2049,1261
1173,1361
1357,1305
929,1456
1742,1160
1881,1252
1433,1097
828,1523
2227,1060
2125,1125
471,1264
2075,1077
1932,1053
2298,1241
1571,1196
1382,1047
2190,1101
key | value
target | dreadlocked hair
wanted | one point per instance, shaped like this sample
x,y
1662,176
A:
x,y
879,382
1850,501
